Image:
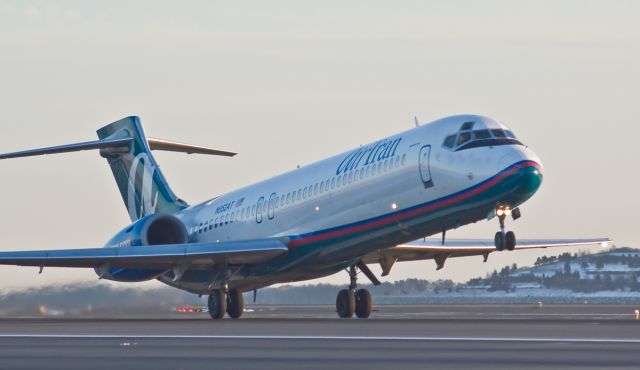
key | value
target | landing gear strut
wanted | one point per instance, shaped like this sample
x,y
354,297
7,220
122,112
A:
x,y
220,303
505,239
353,300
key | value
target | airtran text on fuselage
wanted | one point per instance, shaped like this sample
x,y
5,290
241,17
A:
x,y
369,154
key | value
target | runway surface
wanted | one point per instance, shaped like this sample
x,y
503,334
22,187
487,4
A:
x,y
309,337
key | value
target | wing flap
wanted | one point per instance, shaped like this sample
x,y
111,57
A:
x,y
157,256
431,249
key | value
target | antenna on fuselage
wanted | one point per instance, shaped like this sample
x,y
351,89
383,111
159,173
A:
x,y
415,120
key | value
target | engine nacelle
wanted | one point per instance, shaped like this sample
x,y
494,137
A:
x,y
155,229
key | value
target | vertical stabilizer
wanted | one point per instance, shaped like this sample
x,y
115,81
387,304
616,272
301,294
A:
x,y
142,186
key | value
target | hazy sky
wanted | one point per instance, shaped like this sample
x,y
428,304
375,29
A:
x,y
291,82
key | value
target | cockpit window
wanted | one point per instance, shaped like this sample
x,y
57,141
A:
x,y
467,126
466,139
481,134
463,137
450,141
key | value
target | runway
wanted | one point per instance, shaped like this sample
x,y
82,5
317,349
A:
x,y
309,337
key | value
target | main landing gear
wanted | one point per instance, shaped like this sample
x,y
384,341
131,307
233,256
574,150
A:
x,y
354,300
231,303
505,239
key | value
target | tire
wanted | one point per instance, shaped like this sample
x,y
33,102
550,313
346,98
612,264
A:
x,y
217,304
235,303
345,303
510,240
499,241
363,303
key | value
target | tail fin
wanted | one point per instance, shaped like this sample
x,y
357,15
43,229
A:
x,y
124,145
142,185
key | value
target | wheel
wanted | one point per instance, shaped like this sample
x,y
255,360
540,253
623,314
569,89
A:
x,y
346,303
510,240
499,241
363,303
235,303
217,304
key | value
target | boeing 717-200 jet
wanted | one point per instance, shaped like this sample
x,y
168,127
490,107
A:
x,y
375,204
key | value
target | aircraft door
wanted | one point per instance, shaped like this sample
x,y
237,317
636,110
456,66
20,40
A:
x,y
259,210
425,169
272,206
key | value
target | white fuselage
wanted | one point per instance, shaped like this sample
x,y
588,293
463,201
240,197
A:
x,y
332,212
331,193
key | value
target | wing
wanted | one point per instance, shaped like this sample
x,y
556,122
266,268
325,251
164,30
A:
x,y
431,249
157,256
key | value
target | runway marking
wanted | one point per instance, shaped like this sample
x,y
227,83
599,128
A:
x,y
343,338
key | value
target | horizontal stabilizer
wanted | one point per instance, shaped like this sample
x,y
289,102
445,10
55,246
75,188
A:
x,y
172,146
155,256
88,145
154,144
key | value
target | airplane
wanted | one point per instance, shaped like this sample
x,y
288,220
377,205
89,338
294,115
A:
x,y
374,204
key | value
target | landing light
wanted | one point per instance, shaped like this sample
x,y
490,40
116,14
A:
x,y
507,212
499,212
394,206
317,208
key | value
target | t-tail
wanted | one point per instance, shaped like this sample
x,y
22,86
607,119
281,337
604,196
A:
x,y
123,143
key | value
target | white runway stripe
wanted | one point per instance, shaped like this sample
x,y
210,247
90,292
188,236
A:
x,y
343,338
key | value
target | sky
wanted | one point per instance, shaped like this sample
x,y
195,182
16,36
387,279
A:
x,y
287,83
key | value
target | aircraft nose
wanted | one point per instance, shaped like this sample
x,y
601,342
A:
x,y
524,171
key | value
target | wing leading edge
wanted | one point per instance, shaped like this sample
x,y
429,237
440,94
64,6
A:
x,y
157,256
431,249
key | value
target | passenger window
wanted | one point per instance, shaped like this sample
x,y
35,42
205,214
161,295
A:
x,y
226,219
333,183
386,165
498,133
288,197
449,141
315,189
368,173
379,168
361,173
282,201
253,211
350,177
463,137
321,187
344,180
200,228
481,134
404,159
304,193
299,194
211,224
397,162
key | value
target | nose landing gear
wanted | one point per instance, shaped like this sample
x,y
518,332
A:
x,y
505,239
